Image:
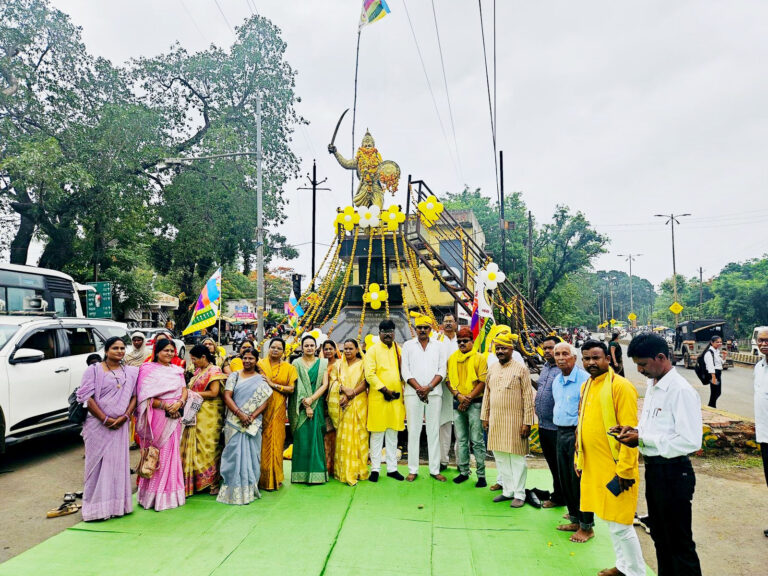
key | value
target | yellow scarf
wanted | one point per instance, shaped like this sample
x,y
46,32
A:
x,y
609,417
457,358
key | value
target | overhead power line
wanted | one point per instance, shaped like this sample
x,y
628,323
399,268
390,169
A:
x,y
490,104
199,30
431,92
224,16
447,93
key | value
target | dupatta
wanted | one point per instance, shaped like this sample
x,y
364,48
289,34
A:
x,y
157,381
304,389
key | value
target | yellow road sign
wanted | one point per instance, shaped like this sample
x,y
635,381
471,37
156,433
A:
x,y
613,321
676,308
632,317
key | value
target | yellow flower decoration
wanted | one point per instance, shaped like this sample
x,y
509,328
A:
x,y
392,217
430,210
348,218
375,296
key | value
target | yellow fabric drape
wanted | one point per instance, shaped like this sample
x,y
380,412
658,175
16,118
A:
x,y
467,363
598,465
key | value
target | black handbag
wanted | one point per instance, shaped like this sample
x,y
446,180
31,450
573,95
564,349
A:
x,y
76,412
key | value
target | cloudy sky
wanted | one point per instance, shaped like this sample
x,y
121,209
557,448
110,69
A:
x,y
621,110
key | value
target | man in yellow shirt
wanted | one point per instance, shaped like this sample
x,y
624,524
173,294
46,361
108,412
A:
x,y
609,470
467,371
386,411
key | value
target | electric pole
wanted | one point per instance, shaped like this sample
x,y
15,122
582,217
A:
x,y
313,181
502,221
673,219
630,258
530,257
261,285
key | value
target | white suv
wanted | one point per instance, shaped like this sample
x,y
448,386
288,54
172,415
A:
x,y
42,360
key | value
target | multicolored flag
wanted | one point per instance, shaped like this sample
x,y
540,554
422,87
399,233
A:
x,y
294,310
373,10
482,317
208,305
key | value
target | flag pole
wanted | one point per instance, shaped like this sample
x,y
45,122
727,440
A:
x,y
354,112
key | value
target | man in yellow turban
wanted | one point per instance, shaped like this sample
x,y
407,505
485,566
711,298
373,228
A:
x,y
423,371
507,414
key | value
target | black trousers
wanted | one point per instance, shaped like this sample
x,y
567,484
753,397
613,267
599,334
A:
x,y
548,441
669,487
764,452
715,389
570,483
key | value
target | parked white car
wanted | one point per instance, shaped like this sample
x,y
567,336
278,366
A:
x,y
42,360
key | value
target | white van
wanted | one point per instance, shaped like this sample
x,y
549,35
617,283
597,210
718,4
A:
x,y
42,360
755,350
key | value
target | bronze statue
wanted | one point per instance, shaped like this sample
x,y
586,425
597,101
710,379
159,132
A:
x,y
375,175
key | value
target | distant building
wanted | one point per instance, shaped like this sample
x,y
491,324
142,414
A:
x,y
154,315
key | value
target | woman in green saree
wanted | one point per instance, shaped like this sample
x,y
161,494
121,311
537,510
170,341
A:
x,y
306,414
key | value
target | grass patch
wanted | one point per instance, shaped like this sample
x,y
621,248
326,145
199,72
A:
x,y
725,461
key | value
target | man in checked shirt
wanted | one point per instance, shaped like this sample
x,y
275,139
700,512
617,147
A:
x,y
669,430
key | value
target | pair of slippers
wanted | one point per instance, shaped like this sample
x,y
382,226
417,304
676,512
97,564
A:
x,y
69,506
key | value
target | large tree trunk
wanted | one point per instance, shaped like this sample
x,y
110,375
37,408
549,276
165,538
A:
x,y
22,240
59,251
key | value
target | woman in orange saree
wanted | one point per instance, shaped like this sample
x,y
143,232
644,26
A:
x,y
281,377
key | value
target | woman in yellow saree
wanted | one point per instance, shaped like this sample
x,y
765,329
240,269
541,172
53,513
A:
x,y
201,442
331,353
281,377
351,454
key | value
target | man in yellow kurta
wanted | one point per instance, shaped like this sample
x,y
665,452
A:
x,y
609,470
386,411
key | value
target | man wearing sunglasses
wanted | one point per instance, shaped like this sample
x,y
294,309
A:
x,y
467,371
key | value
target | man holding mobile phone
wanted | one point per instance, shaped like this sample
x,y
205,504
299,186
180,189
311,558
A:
x,y
669,430
609,470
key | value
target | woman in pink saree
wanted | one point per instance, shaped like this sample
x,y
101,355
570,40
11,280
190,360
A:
x,y
161,393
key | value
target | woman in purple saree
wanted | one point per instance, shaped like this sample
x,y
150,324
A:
x,y
108,391
161,393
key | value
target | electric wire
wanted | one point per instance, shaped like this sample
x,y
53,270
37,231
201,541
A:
x,y
490,104
224,16
431,91
447,93
194,22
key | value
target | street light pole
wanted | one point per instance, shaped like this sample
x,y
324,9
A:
x,y
261,285
630,258
314,182
673,219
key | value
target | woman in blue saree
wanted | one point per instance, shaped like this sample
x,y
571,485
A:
x,y
305,412
245,395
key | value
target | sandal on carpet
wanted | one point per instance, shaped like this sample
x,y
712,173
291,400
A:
x,y
65,509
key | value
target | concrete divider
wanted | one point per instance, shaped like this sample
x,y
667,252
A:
x,y
744,358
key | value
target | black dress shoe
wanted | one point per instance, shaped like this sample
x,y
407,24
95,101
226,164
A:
x,y
460,478
443,467
396,476
481,483
374,477
532,499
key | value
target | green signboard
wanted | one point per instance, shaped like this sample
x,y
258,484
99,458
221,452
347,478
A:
x,y
99,303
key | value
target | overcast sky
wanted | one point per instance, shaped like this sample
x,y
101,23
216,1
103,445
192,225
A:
x,y
619,109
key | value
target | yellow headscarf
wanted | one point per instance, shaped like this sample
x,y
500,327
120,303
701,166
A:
x,y
421,319
507,339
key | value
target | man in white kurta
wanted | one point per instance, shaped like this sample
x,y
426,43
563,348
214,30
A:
x,y
761,401
448,339
424,366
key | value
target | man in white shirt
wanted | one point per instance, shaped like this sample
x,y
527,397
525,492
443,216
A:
x,y
448,339
713,360
761,401
424,366
669,430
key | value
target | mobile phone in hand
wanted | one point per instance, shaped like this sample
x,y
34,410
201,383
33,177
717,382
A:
x,y
613,486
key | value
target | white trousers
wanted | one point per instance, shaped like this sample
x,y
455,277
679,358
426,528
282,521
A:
x,y
629,555
445,439
417,412
378,439
513,472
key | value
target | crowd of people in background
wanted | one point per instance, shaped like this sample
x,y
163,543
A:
x,y
218,424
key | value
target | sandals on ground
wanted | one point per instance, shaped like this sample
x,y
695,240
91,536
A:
x,y
65,509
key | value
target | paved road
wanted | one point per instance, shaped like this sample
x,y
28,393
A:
x,y
737,393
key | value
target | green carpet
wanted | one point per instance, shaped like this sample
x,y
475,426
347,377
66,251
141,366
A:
x,y
399,528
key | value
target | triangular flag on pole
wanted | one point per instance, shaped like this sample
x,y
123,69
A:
x,y
208,305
